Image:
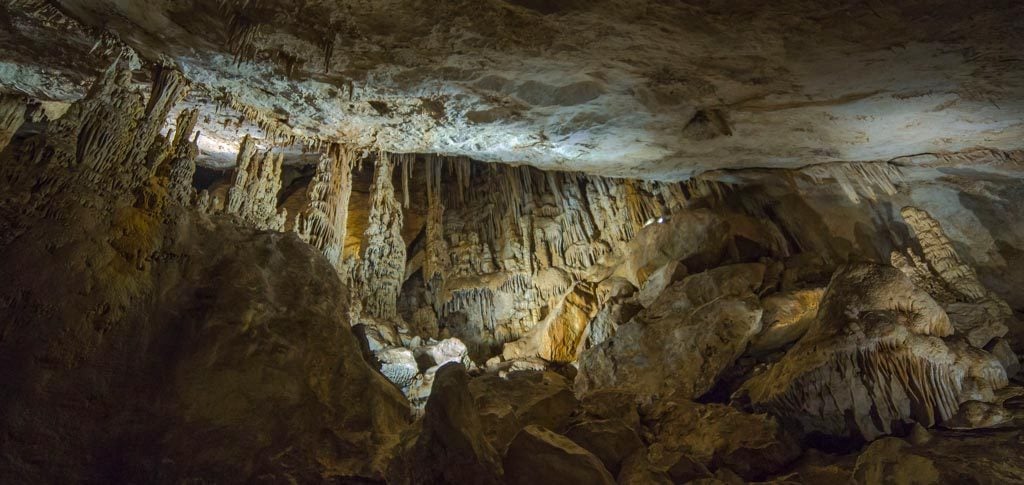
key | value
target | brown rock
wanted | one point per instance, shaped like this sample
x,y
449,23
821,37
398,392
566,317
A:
x,y
611,440
523,398
695,330
786,318
752,445
537,455
451,447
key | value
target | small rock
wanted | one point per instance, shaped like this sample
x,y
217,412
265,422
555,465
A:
x,y
398,365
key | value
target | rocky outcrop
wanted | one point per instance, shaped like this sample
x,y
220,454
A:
x,y
610,440
537,455
692,332
975,311
946,458
12,115
876,325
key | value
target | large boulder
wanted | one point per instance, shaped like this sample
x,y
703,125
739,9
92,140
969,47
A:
x,y
692,332
698,239
507,404
875,357
716,436
976,322
241,367
450,447
611,440
537,455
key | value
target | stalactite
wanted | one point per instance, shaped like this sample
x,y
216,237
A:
x,y
12,115
323,223
102,141
382,262
857,179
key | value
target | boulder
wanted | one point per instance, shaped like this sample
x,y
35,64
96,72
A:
x,y
716,436
976,322
695,330
875,357
441,353
637,469
659,280
697,238
611,440
945,458
507,404
450,447
241,367
612,404
1000,348
538,455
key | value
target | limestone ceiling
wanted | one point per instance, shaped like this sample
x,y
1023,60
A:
x,y
656,89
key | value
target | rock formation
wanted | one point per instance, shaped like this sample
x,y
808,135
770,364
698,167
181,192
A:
x,y
254,188
323,224
876,325
382,260
704,320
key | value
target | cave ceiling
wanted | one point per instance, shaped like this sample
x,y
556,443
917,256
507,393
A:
x,y
649,89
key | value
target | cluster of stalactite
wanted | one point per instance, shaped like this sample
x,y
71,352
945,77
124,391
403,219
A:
x,y
857,179
254,187
517,238
381,269
323,223
108,142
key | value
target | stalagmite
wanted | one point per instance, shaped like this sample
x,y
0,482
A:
x,y
383,250
182,165
101,142
254,187
436,262
323,223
